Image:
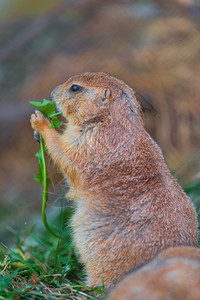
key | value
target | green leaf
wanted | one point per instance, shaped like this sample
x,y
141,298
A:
x,y
55,123
39,175
48,108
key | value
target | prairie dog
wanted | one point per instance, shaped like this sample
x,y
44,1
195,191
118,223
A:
x,y
173,275
128,205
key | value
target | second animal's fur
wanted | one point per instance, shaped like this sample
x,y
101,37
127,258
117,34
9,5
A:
x,y
128,206
173,275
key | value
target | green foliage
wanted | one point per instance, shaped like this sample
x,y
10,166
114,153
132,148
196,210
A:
x,y
42,267
48,108
193,191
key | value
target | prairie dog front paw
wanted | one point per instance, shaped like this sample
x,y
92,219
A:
x,y
39,122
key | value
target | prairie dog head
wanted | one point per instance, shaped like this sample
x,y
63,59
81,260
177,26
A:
x,y
90,98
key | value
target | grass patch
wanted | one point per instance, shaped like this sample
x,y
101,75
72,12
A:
x,y
39,266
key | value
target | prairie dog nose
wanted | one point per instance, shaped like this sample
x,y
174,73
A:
x,y
55,93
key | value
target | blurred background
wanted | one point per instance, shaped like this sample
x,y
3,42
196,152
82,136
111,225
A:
x,y
152,45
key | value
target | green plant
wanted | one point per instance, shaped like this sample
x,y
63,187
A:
x,y
48,108
193,191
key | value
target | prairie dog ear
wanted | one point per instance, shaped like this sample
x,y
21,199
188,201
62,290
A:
x,y
105,96
145,103
133,104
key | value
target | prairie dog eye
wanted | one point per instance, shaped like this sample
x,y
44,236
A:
x,y
75,88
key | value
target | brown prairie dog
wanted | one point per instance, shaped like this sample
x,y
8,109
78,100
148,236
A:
x,y
128,206
173,275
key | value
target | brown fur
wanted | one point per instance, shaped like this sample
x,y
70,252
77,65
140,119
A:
x,y
174,275
128,206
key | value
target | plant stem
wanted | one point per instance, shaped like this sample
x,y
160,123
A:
x,y
45,190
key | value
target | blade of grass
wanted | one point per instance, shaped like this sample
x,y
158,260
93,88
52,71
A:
x,y
1,255
39,240
21,259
